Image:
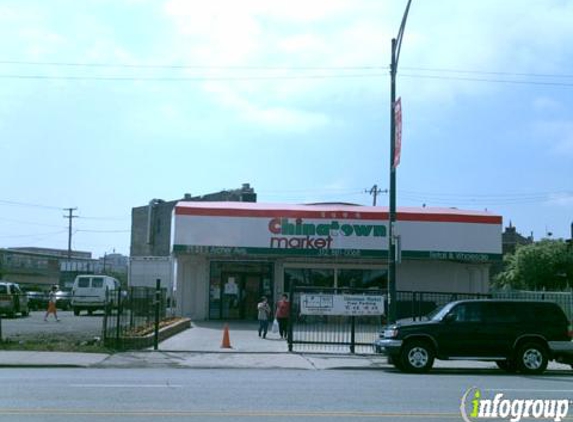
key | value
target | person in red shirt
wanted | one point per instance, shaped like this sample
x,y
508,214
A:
x,y
282,314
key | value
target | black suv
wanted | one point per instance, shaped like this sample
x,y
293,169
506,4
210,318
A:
x,y
518,335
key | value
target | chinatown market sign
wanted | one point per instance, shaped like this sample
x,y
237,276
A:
x,y
345,235
298,234
352,305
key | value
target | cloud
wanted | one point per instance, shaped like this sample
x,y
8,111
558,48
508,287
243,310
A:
x,y
271,117
546,104
564,199
510,37
528,36
557,135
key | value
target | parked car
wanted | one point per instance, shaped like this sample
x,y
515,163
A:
x,y
94,292
518,335
63,300
12,299
37,300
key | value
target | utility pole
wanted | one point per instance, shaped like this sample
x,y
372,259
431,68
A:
x,y
374,191
70,216
396,45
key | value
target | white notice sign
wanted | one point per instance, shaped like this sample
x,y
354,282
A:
x,y
324,304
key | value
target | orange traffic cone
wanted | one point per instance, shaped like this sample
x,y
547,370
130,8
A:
x,y
226,344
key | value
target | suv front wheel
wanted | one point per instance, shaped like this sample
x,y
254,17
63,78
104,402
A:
x,y
417,356
532,358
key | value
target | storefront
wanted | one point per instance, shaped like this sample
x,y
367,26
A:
x,y
227,255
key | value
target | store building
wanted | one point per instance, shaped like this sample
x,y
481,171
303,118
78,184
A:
x,y
228,255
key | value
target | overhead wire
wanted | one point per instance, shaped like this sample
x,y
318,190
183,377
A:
x,y
427,73
26,204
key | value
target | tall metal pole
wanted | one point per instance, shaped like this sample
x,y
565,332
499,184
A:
x,y
396,44
70,216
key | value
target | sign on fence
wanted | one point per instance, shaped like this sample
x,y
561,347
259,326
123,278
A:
x,y
325,304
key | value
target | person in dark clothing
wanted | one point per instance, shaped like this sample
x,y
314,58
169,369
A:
x,y
282,315
264,312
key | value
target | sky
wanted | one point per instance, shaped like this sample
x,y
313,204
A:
x,y
107,104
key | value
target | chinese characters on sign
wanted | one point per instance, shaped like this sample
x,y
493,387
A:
x,y
356,305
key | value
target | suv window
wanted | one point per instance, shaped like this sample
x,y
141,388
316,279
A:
x,y
97,282
547,313
503,313
3,289
84,282
468,312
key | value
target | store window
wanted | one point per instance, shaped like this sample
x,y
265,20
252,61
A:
x,y
362,279
340,278
311,277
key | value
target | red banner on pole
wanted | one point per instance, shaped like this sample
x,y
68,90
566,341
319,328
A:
x,y
397,131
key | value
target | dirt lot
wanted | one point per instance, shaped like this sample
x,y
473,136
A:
x,y
72,329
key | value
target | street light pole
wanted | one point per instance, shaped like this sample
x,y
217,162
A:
x,y
396,45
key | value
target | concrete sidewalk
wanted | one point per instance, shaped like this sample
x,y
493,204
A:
x,y
200,347
207,336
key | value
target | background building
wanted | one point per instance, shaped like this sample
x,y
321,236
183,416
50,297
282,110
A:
x,y
151,224
40,268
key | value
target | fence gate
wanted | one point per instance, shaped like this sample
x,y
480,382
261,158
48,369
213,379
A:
x,y
349,320
334,320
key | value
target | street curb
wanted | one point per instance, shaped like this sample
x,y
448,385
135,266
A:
x,y
45,365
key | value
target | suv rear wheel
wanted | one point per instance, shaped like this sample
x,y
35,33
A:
x,y
417,356
532,358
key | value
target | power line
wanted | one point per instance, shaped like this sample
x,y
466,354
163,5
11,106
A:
x,y
25,204
273,77
188,66
33,235
489,72
183,78
104,218
28,222
502,195
501,81
277,67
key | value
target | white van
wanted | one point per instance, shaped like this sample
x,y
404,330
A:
x,y
94,292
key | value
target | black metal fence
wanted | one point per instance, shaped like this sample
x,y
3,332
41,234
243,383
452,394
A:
x,y
134,318
331,333
355,334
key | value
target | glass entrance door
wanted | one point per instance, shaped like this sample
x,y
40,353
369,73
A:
x,y
252,294
237,287
241,293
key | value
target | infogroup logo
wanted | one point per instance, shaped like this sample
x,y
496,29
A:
x,y
476,406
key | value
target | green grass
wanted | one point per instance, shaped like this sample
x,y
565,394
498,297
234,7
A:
x,y
53,344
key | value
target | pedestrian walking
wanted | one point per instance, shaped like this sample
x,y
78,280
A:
x,y
52,304
282,315
264,312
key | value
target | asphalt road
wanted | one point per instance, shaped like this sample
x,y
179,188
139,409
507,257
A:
x,y
256,395
82,327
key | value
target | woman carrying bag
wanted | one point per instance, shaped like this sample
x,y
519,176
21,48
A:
x,y
282,315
